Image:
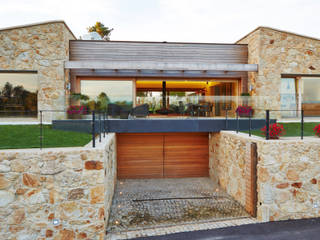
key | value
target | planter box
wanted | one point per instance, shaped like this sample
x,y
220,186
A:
x,y
246,115
74,116
86,116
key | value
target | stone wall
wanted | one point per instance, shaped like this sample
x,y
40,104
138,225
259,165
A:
x,y
73,185
278,52
288,179
230,165
288,173
44,48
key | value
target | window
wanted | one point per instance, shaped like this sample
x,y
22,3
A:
x,y
18,94
288,97
311,90
97,94
311,96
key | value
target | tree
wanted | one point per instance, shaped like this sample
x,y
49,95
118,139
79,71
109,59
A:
x,y
103,31
7,90
103,101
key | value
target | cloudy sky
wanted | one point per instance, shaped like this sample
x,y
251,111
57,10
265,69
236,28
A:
x,y
169,20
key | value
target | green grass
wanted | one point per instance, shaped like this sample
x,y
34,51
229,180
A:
x,y
27,136
292,129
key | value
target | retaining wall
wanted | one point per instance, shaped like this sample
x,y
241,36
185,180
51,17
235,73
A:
x,y
288,173
71,185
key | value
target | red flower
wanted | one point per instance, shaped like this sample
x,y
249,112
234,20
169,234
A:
x,y
316,130
275,131
77,110
244,110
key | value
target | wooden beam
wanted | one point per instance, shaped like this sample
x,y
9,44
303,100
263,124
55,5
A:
x,y
151,65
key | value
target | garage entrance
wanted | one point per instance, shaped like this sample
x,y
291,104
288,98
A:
x,y
162,155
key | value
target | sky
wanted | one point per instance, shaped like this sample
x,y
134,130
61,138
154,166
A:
x,y
220,21
30,81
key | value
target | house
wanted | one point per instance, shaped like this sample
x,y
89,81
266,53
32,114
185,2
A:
x,y
43,67
279,69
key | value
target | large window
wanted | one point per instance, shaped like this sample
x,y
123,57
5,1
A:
x,y
18,94
97,94
311,96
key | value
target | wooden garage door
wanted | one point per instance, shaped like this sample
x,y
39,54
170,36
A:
x,y
186,155
157,155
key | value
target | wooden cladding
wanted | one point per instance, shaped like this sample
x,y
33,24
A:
x,y
158,155
140,155
111,51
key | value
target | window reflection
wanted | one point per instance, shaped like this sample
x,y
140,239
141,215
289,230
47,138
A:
x,y
18,94
97,94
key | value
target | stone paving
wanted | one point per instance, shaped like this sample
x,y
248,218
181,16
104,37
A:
x,y
140,205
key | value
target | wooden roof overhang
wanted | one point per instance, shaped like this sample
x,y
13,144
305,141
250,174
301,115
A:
x,y
161,66
158,69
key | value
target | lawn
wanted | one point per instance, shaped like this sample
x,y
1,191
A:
x,y
28,136
292,129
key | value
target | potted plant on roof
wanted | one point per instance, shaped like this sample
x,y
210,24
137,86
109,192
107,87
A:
x,y
75,111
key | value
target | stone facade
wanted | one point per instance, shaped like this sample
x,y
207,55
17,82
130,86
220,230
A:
x,y
44,48
230,165
288,173
288,179
278,52
73,185
229,172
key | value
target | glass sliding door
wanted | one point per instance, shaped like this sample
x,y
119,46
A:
x,y
288,97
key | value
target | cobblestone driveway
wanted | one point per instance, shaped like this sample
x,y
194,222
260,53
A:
x,y
150,203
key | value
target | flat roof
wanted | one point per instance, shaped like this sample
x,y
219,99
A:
x,y
37,24
156,42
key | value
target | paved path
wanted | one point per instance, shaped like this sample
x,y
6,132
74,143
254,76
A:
x,y
306,229
141,204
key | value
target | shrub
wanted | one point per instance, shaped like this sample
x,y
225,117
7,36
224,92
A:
x,y
275,131
244,111
74,109
317,130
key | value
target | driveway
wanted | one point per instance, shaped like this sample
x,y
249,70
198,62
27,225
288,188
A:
x,y
306,229
151,203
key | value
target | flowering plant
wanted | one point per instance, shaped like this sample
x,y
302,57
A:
x,y
244,111
316,130
74,109
275,131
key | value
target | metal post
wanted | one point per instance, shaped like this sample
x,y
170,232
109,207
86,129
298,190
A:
x,y
41,130
226,119
104,124
267,124
107,126
164,95
250,124
237,122
302,123
100,127
93,130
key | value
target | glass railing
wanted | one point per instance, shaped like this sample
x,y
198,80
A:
x,y
242,114
175,106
